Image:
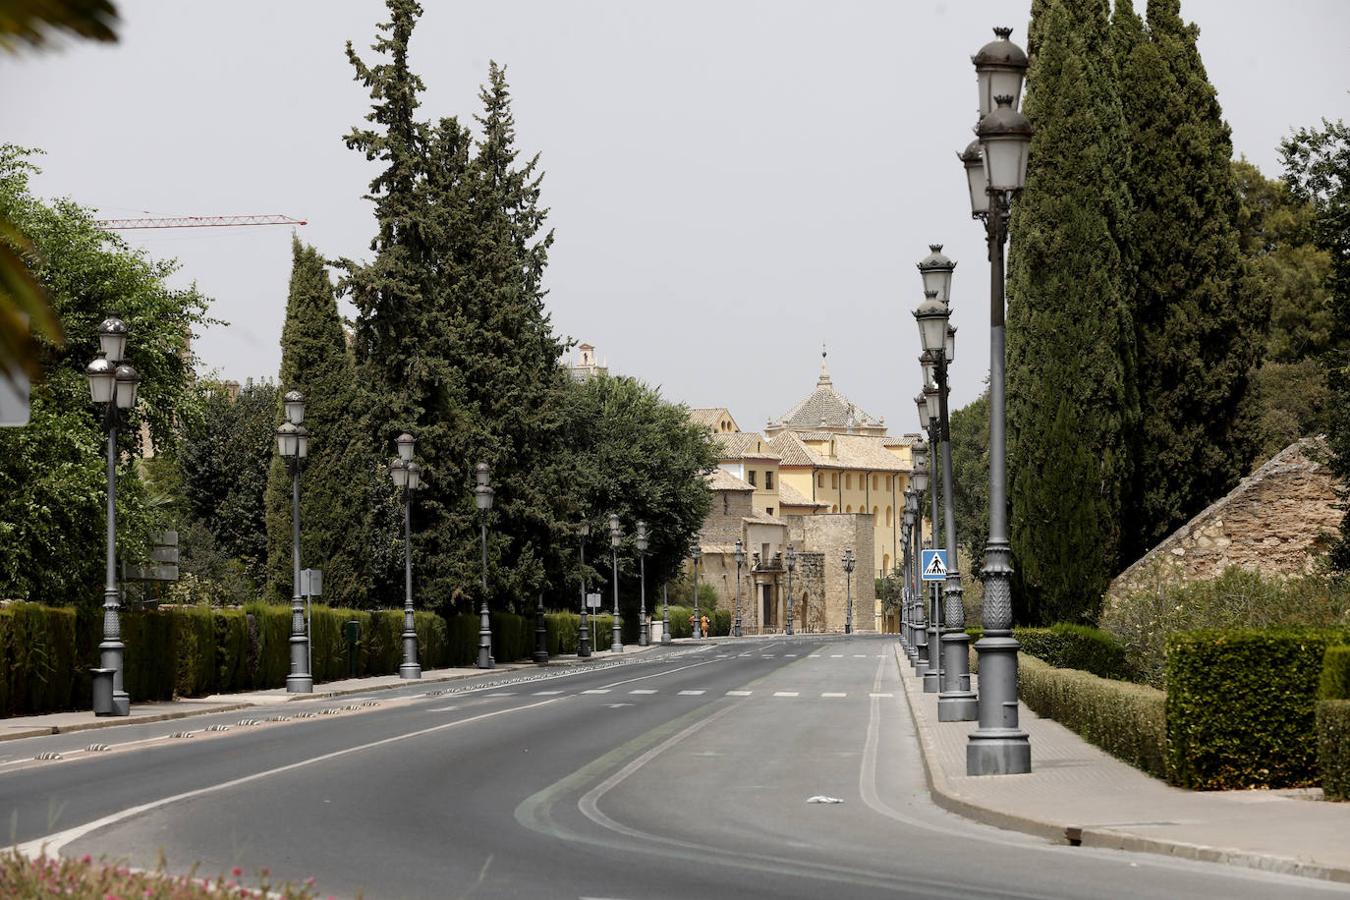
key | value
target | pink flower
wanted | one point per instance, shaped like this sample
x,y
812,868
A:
x,y
236,871
309,882
86,859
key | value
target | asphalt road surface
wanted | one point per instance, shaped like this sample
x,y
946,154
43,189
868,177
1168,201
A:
x,y
685,772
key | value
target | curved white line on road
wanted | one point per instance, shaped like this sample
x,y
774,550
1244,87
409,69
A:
x,y
53,843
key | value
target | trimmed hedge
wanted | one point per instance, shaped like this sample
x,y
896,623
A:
x,y
1335,684
38,651
1333,748
1127,720
1241,706
1068,646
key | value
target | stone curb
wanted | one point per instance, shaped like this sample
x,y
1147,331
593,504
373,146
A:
x,y
114,721
1104,838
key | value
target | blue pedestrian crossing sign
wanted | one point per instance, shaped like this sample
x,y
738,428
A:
x,y
934,565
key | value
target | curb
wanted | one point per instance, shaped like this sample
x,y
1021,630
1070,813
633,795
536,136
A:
x,y
1103,838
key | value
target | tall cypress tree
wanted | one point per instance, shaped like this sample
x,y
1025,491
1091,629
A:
x,y
1198,326
338,475
1069,330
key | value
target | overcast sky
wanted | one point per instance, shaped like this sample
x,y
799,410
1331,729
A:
x,y
731,182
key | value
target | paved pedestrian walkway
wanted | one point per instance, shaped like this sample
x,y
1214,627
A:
x,y
18,727
1077,793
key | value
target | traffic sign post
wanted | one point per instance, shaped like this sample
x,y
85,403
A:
x,y
934,565
593,602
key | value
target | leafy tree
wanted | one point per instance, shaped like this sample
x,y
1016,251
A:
x,y
1199,322
970,480
52,493
1317,170
338,478
1070,334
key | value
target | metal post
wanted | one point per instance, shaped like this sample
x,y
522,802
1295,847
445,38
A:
x,y
848,586
792,564
956,701
485,660
540,634
644,637
584,630
665,615
920,632
736,625
410,668
698,623
998,746
616,645
300,681
932,678
111,649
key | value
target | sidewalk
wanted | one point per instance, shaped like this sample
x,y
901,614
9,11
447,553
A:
x,y
18,727
1078,794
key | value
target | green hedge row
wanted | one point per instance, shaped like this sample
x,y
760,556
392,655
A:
x,y
1068,646
1126,720
1333,748
1335,684
1242,705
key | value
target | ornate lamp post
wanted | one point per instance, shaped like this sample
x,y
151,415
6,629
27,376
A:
x,y
665,613
644,637
996,170
740,561
849,562
112,386
584,637
791,557
919,483
407,475
696,554
906,536
293,445
911,563
615,538
482,493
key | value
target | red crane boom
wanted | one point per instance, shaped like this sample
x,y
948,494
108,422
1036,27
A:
x,y
195,222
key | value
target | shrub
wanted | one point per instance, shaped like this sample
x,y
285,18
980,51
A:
x,y
1126,720
1069,646
270,633
1333,748
1241,706
38,654
233,672
1335,684
89,879
1143,620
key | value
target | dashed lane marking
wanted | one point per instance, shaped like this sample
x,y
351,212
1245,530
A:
x,y
597,691
860,656
691,693
790,655
547,693
836,656
833,694
738,693
881,694
643,691
785,693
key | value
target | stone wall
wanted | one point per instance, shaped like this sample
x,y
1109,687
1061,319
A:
x,y
1272,522
828,535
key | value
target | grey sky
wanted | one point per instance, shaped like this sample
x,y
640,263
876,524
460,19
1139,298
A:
x,y
731,182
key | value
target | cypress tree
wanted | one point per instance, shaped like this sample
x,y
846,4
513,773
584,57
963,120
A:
x,y
1198,324
1069,330
337,478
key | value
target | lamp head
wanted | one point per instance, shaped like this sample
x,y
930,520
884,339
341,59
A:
x,y
1000,67
294,402
406,443
936,270
112,338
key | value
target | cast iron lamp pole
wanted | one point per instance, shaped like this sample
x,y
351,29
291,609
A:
x,y
696,554
932,679
919,483
904,579
996,169
665,613
644,637
482,492
849,562
956,702
112,385
740,561
293,445
584,637
407,475
615,538
791,557
910,640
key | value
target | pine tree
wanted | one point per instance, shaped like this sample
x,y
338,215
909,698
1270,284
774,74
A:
x,y
338,476
1198,323
1069,330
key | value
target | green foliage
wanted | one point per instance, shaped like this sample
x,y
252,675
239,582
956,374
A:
x,y
84,878
1335,682
1294,401
338,479
1333,748
1071,394
1143,620
1199,321
233,651
970,481
1241,706
38,652
52,493
1070,646
1126,720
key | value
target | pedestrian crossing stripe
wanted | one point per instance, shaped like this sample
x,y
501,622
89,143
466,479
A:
x,y
934,565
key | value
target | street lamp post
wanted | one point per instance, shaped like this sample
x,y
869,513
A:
x,y
584,637
910,565
919,483
740,561
849,562
293,445
482,492
996,169
791,557
112,385
665,613
644,637
907,524
932,679
615,538
696,554
407,475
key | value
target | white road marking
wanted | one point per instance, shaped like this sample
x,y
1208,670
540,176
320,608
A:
x,y
642,691
785,693
738,693
860,656
691,693
790,655
501,694
766,656
833,694
597,691
836,656
881,694
659,674
547,693
443,709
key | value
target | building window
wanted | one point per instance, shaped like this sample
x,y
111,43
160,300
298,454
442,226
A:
x,y
874,482
834,509
820,479
874,512
769,510
848,482
890,482
834,480
849,508
750,477
888,519
768,481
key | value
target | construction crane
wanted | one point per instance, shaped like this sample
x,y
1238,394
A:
x,y
195,222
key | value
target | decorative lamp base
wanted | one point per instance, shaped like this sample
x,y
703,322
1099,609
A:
x,y
410,671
